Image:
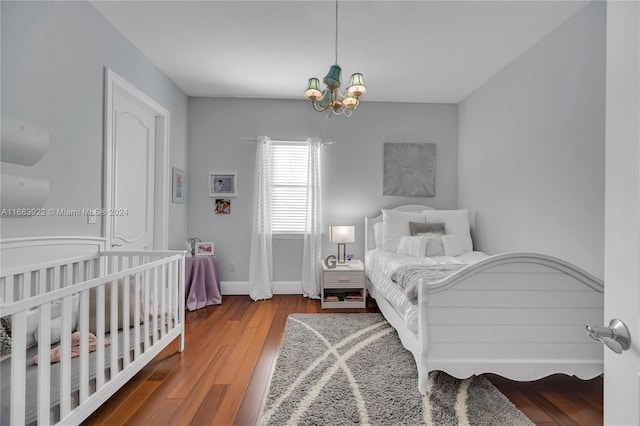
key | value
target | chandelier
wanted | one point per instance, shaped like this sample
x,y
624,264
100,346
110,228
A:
x,y
331,101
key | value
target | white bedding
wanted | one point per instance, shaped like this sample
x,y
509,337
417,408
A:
x,y
380,266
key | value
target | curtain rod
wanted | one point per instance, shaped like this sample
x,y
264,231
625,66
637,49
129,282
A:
x,y
287,140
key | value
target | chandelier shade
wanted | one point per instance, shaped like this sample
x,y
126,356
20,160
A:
x,y
330,100
313,89
334,77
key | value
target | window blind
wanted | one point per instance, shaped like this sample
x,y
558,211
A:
x,y
289,165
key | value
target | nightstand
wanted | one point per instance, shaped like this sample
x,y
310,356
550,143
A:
x,y
344,286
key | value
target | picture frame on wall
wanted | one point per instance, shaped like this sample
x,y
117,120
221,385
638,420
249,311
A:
x,y
223,206
178,186
223,184
204,248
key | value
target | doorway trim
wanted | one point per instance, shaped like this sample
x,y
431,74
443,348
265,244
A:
x,y
115,83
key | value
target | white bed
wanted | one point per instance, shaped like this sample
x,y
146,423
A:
x,y
139,293
519,315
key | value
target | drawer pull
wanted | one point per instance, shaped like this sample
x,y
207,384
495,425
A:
x,y
344,280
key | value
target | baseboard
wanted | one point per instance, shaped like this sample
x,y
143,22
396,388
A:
x,y
242,287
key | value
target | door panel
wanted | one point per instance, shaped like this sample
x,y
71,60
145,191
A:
x,y
622,210
134,175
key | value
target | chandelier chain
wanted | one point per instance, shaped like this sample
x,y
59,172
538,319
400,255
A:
x,y
336,31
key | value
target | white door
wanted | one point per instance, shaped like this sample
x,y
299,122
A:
x,y
136,195
622,210
132,214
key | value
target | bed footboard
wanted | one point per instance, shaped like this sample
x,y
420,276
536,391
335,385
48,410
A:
x,y
518,315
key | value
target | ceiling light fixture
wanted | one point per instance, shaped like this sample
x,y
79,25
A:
x,y
331,101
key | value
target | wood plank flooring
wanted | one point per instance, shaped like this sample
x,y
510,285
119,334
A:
x,y
222,377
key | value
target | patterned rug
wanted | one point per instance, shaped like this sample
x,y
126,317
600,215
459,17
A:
x,y
346,369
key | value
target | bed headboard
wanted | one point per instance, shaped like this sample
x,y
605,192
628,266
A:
x,y
22,251
369,238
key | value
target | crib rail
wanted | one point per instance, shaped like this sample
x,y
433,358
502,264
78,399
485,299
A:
x,y
139,293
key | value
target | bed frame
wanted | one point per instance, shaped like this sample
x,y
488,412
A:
x,y
519,315
151,287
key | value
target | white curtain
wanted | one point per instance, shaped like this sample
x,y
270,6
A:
x,y
311,253
260,263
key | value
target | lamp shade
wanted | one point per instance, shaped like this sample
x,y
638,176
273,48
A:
x,y
357,87
350,102
313,90
342,234
332,79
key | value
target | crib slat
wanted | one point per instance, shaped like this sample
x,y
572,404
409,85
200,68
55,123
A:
x,y
181,300
136,315
19,283
147,312
57,271
156,302
100,337
18,367
171,282
126,308
83,326
113,363
8,293
26,285
44,363
163,297
65,357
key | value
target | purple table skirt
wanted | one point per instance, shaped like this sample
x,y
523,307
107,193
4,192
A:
x,y
202,286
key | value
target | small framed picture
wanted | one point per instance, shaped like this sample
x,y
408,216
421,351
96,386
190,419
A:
x,y
204,249
223,206
223,184
178,185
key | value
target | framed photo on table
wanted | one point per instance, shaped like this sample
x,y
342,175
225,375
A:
x,y
204,248
223,184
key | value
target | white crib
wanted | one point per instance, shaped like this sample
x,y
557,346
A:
x,y
110,290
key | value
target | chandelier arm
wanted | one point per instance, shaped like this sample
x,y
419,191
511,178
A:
x,y
317,107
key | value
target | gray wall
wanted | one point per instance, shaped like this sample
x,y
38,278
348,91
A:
x,y
531,148
53,59
352,182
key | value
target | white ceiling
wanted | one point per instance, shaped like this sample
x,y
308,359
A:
x,y
408,51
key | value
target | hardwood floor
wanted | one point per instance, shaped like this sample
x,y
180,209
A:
x,y
223,375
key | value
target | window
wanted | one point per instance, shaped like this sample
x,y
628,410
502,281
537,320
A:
x,y
289,165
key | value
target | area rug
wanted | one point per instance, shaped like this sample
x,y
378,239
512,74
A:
x,y
347,369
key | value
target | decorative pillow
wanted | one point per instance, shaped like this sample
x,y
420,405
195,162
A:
x,y
434,246
413,246
456,222
452,245
377,234
395,224
417,228
93,296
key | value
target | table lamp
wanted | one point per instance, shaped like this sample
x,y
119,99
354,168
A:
x,y
342,234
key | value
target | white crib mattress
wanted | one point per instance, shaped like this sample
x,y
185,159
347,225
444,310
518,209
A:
x,y
380,266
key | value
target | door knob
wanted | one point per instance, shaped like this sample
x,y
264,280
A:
x,y
616,336
116,245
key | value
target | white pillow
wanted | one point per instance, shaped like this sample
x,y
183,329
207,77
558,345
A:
x,y
56,323
377,235
456,222
395,224
452,245
413,246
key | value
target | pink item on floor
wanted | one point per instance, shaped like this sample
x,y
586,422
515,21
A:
x,y
75,347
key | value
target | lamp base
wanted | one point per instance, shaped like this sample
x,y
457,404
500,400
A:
x,y
342,258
